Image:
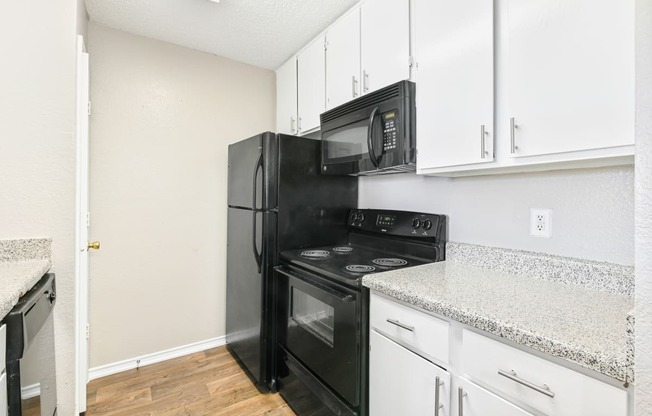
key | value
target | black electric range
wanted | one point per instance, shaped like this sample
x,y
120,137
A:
x,y
321,300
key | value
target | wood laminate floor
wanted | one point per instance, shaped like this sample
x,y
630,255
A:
x,y
206,383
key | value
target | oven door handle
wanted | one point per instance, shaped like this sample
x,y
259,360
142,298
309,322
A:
x,y
344,297
370,138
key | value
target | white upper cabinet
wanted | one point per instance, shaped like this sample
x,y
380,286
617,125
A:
x,y
570,70
343,59
286,97
311,84
385,38
454,49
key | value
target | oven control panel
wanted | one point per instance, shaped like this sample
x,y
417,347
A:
x,y
399,223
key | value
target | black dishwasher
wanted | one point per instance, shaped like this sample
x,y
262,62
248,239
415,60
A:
x,y
31,378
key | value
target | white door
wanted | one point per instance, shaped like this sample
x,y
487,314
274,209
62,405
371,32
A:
x,y
286,97
570,74
455,82
83,221
403,383
385,42
343,59
311,76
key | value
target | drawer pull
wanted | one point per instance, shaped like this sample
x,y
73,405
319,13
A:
x,y
512,376
400,325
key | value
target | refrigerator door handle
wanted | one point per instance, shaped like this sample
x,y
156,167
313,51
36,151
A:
x,y
257,254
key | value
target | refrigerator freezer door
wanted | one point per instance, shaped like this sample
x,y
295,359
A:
x,y
249,162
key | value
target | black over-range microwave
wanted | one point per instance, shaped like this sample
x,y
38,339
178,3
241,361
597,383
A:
x,y
371,135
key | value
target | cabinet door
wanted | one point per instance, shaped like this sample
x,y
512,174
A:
x,y
286,97
571,75
385,43
311,84
476,401
403,383
343,59
455,77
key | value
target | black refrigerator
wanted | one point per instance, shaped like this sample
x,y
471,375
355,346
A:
x,y
277,201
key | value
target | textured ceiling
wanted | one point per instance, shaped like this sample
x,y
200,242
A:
x,y
263,33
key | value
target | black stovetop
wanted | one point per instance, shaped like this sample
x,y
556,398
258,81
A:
x,y
349,262
378,241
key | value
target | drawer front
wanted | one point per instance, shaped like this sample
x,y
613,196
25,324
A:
x,y
476,401
574,394
3,347
423,332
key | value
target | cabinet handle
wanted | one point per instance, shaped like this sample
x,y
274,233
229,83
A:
x,y
365,81
512,127
438,385
354,87
460,401
483,133
292,122
400,325
512,376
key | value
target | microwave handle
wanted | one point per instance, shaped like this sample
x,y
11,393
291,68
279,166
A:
x,y
370,142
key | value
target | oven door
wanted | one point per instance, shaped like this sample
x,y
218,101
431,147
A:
x,y
321,329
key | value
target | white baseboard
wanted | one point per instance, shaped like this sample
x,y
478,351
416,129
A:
x,y
156,357
30,391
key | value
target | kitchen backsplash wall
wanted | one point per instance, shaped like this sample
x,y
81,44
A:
x,y
162,118
592,218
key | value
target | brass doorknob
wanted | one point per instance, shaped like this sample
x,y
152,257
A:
x,y
95,245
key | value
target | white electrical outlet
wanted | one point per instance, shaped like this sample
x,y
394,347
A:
x,y
541,222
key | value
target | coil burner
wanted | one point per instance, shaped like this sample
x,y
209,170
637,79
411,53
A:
x,y
343,249
359,268
315,254
389,262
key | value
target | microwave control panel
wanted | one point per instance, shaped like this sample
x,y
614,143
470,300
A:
x,y
390,127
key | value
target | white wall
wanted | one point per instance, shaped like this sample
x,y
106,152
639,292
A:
x,y
37,150
593,209
643,330
162,118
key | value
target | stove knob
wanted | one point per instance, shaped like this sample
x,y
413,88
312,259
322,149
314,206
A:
x,y
354,217
416,223
361,217
427,224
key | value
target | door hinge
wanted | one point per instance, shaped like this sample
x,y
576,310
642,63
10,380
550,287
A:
x,y
88,331
88,219
410,61
89,108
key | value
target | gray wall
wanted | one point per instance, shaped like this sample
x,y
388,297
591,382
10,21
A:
x,y
37,156
593,209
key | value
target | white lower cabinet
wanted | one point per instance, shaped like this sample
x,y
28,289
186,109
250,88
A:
x,y
477,376
403,383
473,400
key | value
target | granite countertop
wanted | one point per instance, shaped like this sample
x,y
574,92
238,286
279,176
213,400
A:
x,y
554,313
22,264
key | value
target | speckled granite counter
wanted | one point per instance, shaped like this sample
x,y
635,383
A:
x,y
556,315
22,264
